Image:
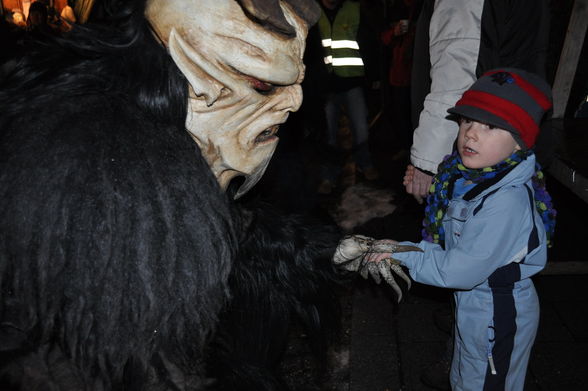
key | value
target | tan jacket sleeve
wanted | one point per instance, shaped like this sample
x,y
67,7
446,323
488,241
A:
x,y
454,41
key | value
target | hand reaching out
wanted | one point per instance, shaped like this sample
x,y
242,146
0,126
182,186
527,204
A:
x,y
401,27
417,183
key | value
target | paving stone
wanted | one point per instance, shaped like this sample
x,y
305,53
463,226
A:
x,y
374,359
551,326
389,345
374,364
415,359
575,317
561,288
560,366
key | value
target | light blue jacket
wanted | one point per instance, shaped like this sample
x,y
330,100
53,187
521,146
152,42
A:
x,y
494,242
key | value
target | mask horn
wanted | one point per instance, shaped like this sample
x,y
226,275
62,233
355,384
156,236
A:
x,y
270,15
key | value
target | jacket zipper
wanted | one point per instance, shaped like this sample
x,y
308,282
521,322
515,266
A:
x,y
491,338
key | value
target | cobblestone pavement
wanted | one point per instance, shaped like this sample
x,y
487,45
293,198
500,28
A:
x,y
387,346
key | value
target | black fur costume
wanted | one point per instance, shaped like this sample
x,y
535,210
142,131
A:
x,y
122,264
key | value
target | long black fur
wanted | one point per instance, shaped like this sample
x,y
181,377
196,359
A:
x,y
116,242
282,275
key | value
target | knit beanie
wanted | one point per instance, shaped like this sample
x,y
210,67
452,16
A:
x,y
510,99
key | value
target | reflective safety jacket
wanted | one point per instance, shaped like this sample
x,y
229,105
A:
x,y
494,242
339,40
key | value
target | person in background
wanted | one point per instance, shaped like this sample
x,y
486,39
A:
x,y
37,21
346,45
67,15
399,38
18,18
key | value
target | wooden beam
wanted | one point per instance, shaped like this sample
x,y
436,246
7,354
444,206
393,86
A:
x,y
565,267
570,54
570,178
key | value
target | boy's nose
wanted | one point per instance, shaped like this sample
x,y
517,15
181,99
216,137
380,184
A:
x,y
472,129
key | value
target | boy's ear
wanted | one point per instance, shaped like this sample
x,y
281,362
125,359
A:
x,y
517,147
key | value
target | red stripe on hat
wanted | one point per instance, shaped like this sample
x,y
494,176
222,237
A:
x,y
535,93
508,111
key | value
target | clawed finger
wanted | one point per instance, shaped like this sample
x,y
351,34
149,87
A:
x,y
398,270
374,271
389,278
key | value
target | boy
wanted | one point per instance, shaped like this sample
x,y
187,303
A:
x,y
489,220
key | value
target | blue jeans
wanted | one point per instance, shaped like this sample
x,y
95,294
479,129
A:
x,y
354,102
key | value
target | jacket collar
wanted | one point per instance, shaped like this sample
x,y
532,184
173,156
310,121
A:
x,y
519,175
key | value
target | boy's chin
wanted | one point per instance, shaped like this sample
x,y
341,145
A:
x,y
472,163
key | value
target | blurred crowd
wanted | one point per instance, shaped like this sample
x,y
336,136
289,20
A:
x,y
39,17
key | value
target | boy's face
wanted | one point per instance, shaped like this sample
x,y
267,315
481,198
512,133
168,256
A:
x,y
481,145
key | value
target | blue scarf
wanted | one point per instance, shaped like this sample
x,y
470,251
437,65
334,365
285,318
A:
x,y
452,168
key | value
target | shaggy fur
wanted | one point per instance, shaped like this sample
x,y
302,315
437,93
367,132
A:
x,y
116,242
283,273
116,245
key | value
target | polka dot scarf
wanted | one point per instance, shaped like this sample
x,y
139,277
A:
x,y
452,169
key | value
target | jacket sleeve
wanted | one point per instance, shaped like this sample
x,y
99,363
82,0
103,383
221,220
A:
x,y
454,40
494,237
387,36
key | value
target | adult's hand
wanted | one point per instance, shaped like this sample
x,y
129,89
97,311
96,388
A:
x,y
401,27
417,183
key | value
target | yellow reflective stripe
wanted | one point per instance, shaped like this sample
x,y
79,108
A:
x,y
326,42
344,61
328,59
344,44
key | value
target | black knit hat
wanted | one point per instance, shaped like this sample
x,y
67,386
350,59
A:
x,y
510,99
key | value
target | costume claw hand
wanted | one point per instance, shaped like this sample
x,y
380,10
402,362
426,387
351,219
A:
x,y
372,257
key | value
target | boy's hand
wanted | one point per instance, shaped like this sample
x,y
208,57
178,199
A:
x,y
417,183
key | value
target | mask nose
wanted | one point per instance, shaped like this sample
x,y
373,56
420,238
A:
x,y
290,100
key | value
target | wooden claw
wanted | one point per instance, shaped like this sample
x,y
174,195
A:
x,y
382,246
398,270
405,248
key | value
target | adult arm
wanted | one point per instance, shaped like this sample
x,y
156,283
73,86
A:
x,y
454,41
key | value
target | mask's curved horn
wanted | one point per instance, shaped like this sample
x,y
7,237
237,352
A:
x,y
269,14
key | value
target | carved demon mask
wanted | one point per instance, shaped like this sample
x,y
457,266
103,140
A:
x,y
243,61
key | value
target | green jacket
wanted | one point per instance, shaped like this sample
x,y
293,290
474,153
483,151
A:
x,y
340,43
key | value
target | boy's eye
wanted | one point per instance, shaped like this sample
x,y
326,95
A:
x,y
464,120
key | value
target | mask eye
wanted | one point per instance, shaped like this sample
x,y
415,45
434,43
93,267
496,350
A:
x,y
267,134
260,87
